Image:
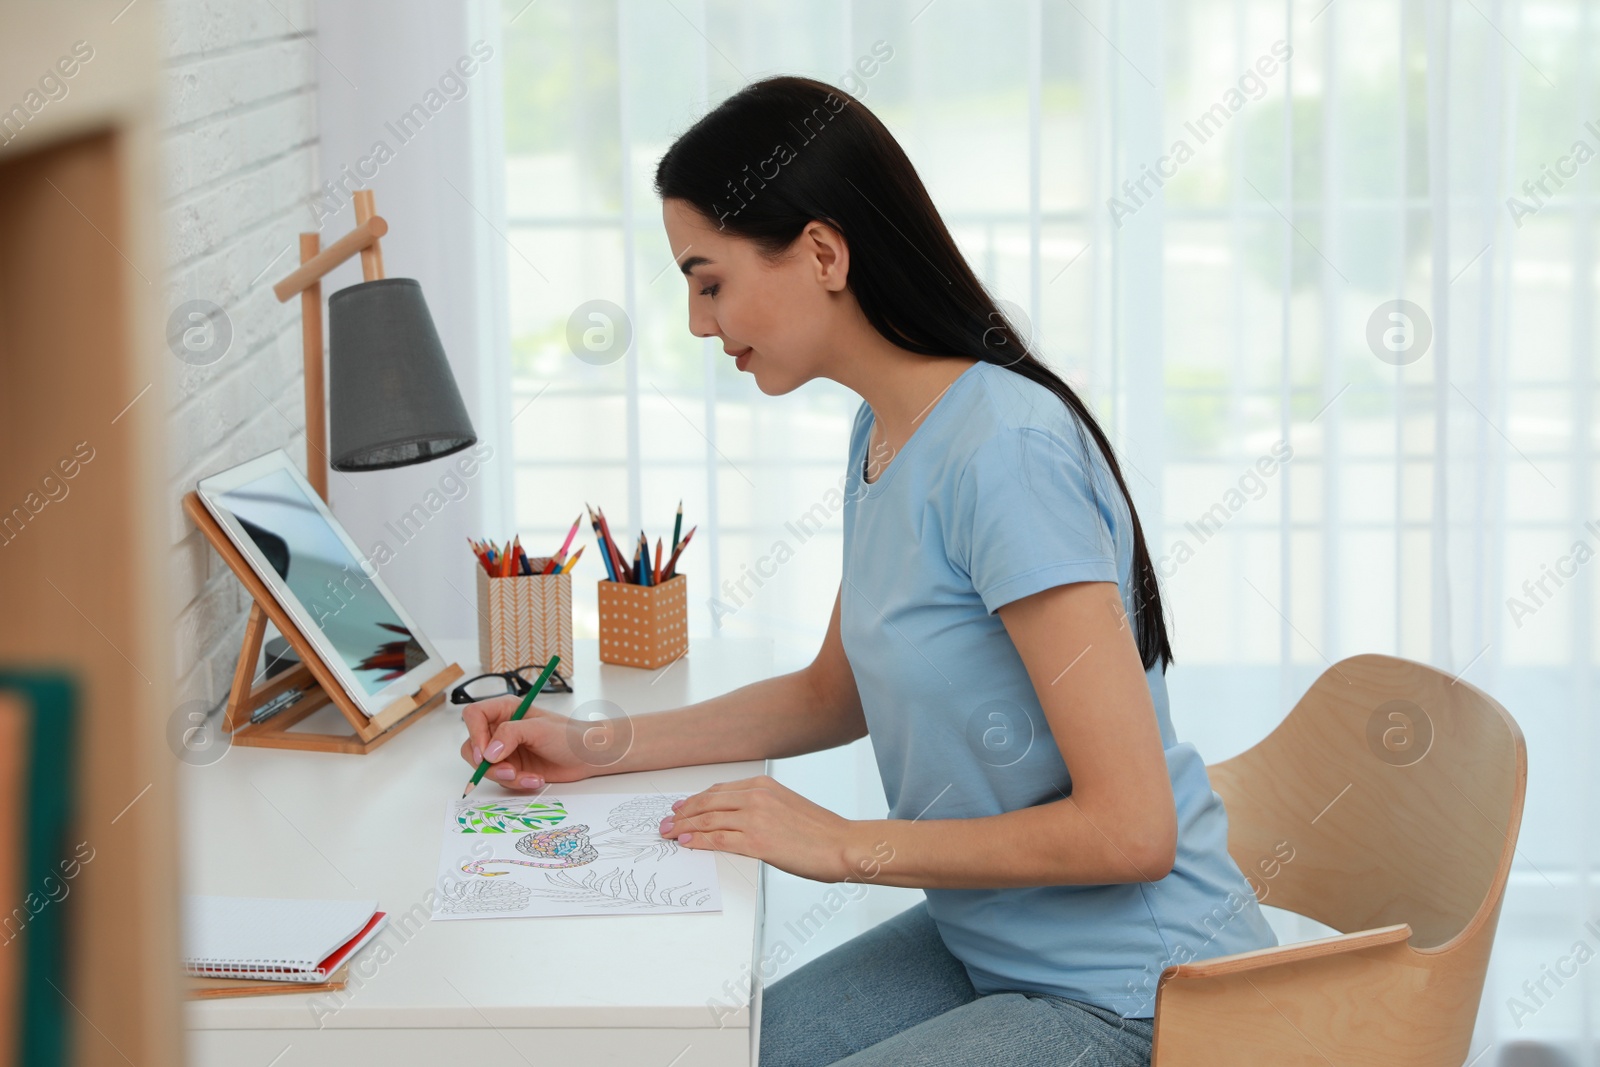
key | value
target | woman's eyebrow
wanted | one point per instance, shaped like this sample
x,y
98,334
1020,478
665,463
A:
x,y
692,262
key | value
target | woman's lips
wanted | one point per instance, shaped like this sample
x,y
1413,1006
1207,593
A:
x,y
740,358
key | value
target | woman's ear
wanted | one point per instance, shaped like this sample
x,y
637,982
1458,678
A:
x,y
830,254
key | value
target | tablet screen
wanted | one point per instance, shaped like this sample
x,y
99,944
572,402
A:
x,y
325,577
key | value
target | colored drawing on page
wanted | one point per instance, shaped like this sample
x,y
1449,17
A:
x,y
503,817
568,853
566,847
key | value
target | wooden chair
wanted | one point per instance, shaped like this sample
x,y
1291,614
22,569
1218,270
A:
x,y
1396,792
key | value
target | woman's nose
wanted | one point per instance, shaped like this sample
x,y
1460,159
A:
x,y
701,322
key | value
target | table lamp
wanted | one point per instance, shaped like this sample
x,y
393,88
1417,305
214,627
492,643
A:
x,y
393,400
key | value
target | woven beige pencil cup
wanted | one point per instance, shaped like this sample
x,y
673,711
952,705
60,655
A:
x,y
644,625
523,619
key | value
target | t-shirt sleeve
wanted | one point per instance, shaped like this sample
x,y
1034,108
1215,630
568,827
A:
x,y
1025,518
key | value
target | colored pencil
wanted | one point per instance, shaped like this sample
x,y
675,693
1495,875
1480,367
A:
x,y
622,563
553,566
522,709
611,542
671,568
605,556
562,555
655,577
677,526
567,566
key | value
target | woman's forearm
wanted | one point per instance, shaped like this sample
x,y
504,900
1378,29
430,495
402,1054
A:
x,y
770,719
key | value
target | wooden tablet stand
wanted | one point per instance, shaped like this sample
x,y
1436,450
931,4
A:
x,y
320,683
312,673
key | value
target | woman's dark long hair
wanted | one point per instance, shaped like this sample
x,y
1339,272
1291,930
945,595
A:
x,y
785,151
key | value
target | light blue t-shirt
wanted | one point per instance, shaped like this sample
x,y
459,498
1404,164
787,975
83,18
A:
x,y
990,501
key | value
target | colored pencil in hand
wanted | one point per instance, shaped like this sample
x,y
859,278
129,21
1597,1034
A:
x,y
522,709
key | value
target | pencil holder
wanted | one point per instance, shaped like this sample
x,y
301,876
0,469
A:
x,y
525,618
644,625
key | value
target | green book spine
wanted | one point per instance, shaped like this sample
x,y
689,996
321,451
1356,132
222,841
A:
x,y
37,924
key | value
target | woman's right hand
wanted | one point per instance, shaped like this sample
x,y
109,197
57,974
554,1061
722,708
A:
x,y
525,754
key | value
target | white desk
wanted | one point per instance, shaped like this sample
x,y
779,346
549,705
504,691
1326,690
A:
x,y
628,990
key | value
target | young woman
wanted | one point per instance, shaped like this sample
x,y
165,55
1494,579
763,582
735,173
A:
x,y
998,633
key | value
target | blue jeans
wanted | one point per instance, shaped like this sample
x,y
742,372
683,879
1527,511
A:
x,y
895,995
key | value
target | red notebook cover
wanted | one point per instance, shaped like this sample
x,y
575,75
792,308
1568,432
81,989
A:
x,y
352,946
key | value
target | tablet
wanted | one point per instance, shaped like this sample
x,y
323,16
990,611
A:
x,y
315,572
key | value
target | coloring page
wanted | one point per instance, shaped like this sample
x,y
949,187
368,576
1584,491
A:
x,y
582,854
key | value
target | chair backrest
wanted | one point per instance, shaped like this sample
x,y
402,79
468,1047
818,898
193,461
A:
x,y
1391,793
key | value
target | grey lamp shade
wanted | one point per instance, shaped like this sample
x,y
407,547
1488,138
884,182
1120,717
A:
x,y
392,400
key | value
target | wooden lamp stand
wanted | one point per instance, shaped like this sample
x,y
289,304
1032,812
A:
x,y
312,674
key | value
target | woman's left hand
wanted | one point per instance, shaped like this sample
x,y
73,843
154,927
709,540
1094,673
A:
x,y
765,820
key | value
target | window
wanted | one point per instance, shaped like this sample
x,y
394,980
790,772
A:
x,y
1204,212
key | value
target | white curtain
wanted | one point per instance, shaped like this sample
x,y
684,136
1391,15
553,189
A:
x,y
1206,212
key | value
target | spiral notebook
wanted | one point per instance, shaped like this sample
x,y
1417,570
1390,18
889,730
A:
x,y
275,940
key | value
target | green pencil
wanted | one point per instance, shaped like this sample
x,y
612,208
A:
x,y
522,709
677,526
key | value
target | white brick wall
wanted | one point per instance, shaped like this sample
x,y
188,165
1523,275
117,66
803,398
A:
x,y
240,164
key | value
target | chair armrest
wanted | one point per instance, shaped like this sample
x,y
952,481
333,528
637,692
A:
x,y
1349,999
1262,958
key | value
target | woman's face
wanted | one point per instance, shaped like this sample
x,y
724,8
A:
x,y
776,318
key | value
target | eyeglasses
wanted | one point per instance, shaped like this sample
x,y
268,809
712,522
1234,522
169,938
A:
x,y
507,683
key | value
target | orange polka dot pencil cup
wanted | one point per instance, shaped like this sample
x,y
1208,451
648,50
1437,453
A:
x,y
644,625
644,604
